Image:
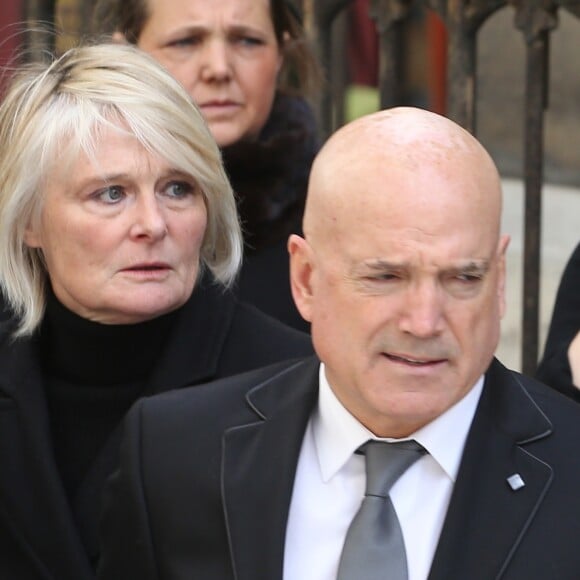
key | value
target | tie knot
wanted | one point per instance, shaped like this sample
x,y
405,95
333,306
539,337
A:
x,y
386,462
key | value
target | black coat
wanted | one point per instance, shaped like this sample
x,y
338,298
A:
x,y
270,179
39,540
554,368
207,475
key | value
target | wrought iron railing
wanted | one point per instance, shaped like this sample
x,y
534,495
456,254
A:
x,y
463,19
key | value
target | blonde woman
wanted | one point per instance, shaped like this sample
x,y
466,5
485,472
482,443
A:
x,y
119,239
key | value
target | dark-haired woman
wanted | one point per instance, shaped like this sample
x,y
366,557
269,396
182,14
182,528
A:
x,y
247,65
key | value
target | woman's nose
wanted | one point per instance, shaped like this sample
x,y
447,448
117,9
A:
x,y
149,219
216,64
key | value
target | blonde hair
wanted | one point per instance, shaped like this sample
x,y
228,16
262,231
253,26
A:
x,y
67,102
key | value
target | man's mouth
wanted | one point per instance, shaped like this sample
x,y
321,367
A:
x,y
419,362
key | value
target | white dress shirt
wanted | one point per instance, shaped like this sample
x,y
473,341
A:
x,y
330,483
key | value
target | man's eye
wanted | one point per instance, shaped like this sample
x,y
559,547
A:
x,y
464,285
468,278
381,279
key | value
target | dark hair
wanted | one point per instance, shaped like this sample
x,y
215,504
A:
x,y
300,72
125,16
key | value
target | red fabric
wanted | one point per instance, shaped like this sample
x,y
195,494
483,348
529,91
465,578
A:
x,y
437,65
363,45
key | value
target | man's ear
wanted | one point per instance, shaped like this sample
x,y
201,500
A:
x,y
501,256
301,270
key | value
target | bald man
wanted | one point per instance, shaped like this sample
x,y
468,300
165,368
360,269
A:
x,y
401,274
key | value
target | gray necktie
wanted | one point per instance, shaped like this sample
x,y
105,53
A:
x,y
374,548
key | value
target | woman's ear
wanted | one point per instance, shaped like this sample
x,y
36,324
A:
x,y
286,38
33,232
119,38
301,271
32,237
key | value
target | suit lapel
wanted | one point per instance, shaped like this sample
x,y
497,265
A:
x,y
33,503
259,462
486,518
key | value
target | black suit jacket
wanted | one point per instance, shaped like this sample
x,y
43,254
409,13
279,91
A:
x,y
207,475
39,537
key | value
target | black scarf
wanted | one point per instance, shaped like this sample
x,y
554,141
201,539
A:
x,y
270,175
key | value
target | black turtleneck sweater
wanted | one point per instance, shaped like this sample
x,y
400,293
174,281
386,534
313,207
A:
x,y
94,373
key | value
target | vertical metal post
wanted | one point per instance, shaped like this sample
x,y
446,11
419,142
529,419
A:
x,y
325,12
39,35
536,83
462,67
389,16
464,19
536,20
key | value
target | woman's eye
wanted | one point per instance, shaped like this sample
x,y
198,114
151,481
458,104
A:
x,y
179,189
249,41
186,41
111,194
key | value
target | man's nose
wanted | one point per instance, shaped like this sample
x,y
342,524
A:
x,y
422,312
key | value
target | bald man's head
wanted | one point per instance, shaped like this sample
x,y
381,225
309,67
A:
x,y
365,155
401,271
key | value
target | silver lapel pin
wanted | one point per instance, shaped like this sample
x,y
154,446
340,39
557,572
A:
x,y
515,481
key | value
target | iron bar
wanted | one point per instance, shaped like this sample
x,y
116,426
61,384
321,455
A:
x,y
536,18
325,12
389,16
536,80
39,36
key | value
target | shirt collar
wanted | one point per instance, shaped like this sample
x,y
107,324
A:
x,y
338,434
